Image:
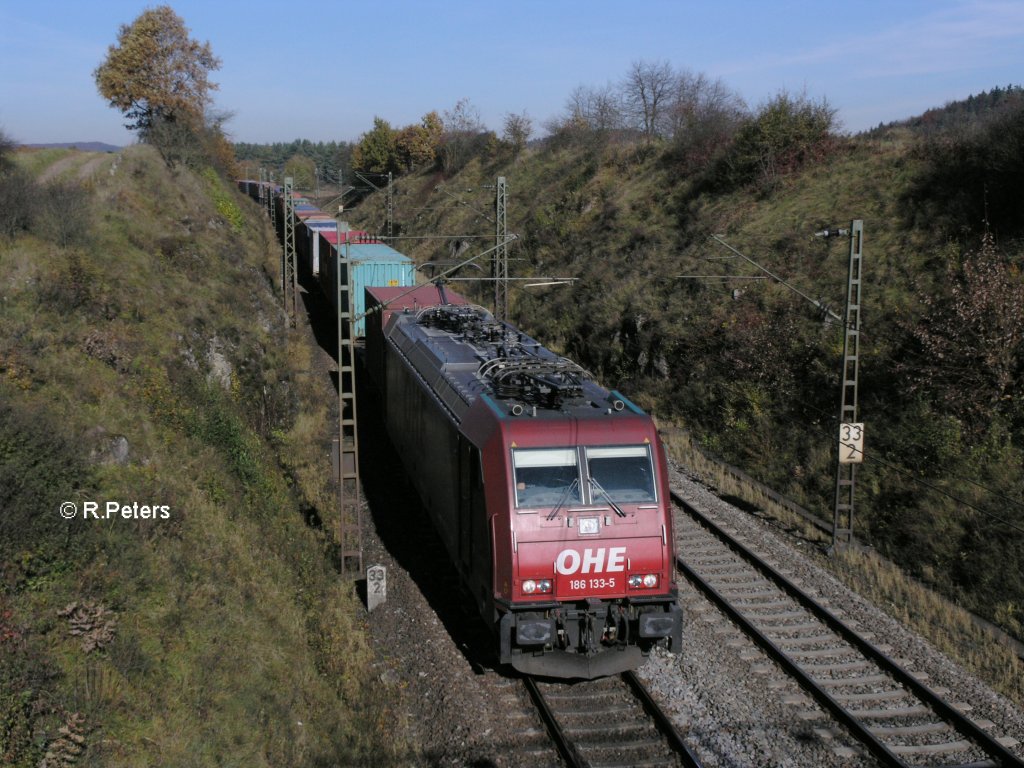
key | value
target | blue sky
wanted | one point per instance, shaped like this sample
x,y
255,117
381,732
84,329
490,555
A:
x,y
322,70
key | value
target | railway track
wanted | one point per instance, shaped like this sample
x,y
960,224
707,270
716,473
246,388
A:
x,y
891,712
607,723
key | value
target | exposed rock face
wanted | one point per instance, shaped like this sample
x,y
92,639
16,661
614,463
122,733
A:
x,y
105,448
119,450
220,367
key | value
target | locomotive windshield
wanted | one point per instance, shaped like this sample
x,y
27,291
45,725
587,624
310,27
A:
x,y
623,473
546,477
549,477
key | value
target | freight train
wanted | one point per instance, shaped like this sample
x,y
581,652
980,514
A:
x,y
549,492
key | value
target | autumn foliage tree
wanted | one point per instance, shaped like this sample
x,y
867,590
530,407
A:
x,y
971,341
158,77
375,152
417,145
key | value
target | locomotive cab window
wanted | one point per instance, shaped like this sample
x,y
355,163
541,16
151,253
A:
x,y
624,473
545,477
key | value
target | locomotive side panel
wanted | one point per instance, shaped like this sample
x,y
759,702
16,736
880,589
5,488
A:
x,y
428,443
476,543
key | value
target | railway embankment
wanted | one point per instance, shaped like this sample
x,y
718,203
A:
x,y
166,594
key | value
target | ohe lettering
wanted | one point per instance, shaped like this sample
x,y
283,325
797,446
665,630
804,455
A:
x,y
600,560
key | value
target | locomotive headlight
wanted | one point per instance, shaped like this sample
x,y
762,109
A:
x,y
645,581
589,525
538,586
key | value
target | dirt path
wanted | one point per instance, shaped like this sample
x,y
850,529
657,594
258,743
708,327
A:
x,y
81,165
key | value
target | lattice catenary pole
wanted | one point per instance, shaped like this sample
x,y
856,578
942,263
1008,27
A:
x,y
851,432
500,258
349,496
391,205
290,283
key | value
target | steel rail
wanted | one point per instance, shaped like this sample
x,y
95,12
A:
x,y
565,747
569,750
942,708
840,713
664,723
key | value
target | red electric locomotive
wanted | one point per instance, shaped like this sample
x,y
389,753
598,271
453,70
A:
x,y
549,492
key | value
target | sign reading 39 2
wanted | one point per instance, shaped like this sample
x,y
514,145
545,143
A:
x,y
851,443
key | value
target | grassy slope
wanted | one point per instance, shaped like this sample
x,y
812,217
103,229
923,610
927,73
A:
x,y
614,218
224,632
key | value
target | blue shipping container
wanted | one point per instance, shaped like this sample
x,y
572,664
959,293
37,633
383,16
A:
x,y
373,265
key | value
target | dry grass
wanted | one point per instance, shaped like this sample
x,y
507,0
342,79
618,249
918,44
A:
x,y
726,481
945,625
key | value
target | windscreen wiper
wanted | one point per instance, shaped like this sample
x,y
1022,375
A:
x,y
616,507
565,497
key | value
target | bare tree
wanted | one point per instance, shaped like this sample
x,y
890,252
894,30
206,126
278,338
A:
x,y
464,117
517,131
654,100
462,126
683,104
701,116
645,91
600,109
